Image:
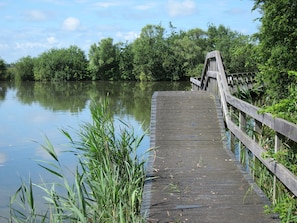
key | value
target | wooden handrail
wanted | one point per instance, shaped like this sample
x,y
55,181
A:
x,y
214,79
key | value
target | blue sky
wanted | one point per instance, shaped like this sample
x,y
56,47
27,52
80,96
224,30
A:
x,y
30,27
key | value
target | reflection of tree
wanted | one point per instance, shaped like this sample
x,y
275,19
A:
x,y
4,86
131,98
56,96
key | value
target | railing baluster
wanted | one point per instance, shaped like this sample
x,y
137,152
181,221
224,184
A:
x,y
257,133
232,136
277,144
242,126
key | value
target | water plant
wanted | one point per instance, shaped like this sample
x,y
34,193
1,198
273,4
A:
x,y
105,186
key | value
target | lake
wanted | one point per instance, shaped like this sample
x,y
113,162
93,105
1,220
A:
x,y
30,112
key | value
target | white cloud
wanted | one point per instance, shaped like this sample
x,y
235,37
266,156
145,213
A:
x,y
29,45
51,40
71,24
181,8
130,36
108,4
35,15
144,7
235,11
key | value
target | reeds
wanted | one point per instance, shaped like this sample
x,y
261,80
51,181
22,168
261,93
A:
x,y
107,183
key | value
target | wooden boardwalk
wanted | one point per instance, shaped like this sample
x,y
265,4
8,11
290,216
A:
x,y
196,179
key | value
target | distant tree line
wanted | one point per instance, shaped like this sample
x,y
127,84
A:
x,y
156,55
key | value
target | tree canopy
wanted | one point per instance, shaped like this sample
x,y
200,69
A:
x,y
2,69
277,45
61,65
156,55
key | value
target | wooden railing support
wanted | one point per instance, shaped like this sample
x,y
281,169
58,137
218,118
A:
x,y
257,132
277,145
242,126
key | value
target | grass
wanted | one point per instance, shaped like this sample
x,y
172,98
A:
x,y
106,185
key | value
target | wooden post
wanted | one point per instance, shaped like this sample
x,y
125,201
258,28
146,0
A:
x,y
232,137
242,126
277,144
256,135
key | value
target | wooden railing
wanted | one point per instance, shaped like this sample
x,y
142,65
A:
x,y
215,80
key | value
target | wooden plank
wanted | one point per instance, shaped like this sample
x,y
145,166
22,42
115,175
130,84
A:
x,y
195,81
212,74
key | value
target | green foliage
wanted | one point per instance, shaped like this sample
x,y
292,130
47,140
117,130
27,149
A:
x,y
103,58
23,69
61,65
154,56
238,50
3,69
286,108
287,209
126,57
277,45
189,51
148,53
106,185
284,203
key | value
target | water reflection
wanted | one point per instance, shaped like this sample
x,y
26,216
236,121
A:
x,y
29,111
125,97
2,159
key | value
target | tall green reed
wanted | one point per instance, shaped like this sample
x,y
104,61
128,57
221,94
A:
x,y
106,185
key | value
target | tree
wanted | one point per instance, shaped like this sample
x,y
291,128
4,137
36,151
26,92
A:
x,y
104,63
277,45
24,69
61,65
3,69
232,44
126,61
191,48
148,52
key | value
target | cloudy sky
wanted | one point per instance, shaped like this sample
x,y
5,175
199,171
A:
x,y
30,27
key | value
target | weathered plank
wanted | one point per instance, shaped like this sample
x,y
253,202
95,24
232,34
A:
x,y
195,178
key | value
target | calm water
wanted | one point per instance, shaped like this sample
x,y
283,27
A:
x,y
29,112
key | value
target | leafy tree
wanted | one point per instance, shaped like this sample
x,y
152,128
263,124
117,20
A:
x,y
126,61
61,65
286,108
172,60
232,44
191,50
104,63
3,69
243,52
277,45
23,69
148,52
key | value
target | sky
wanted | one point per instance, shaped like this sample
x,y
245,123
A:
x,y
31,27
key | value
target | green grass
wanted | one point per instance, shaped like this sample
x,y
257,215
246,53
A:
x,y
107,183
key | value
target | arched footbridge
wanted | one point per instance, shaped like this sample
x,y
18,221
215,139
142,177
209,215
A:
x,y
193,174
